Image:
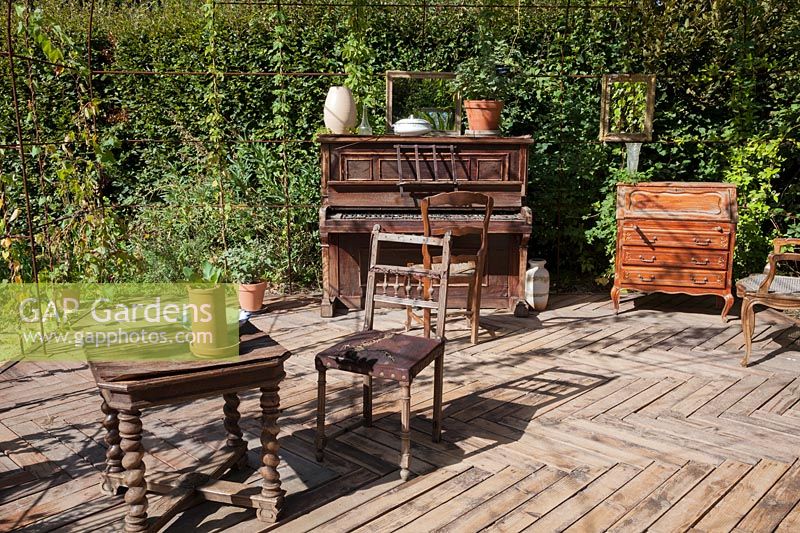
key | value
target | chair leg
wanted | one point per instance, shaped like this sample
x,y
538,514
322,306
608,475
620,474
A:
x,y
475,312
748,327
470,296
405,435
438,385
114,453
409,312
130,428
320,440
368,401
426,323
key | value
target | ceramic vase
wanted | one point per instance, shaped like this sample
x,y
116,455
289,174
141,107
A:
x,y
340,110
537,284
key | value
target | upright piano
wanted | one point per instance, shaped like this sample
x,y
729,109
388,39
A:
x,y
370,180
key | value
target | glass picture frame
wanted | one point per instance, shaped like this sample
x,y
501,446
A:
x,y
426,95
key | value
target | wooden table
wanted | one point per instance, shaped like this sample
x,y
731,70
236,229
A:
x,y
127,387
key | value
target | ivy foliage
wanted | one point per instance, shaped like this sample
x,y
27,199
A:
x,y
135,176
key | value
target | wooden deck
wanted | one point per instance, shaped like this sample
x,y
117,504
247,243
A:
x,y
570,420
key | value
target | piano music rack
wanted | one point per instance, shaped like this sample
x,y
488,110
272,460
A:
x,y
433,149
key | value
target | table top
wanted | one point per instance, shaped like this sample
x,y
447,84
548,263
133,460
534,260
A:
x,y
256,347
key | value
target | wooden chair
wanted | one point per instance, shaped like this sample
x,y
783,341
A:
x,y
387,355
768,289
467,269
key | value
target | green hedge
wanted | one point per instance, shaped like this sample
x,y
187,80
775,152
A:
x,y
130,188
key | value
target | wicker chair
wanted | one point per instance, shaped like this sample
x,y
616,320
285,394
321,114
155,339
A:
x,y
768,289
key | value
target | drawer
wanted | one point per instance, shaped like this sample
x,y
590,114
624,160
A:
x,y
643,235
673,277
669,257
669,201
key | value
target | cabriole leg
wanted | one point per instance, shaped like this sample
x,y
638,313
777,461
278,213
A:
x,y
728,304
748,327
615,298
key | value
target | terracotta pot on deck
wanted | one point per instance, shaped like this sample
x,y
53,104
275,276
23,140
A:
x,y
483,115
251,296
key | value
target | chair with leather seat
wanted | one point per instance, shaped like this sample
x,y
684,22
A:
x,y
389,355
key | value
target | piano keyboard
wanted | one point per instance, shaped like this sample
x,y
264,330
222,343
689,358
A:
x,y
417,216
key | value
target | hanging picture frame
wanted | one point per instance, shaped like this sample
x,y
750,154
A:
x,y
627,105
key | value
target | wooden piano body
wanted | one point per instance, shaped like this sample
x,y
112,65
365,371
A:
x,y
380,180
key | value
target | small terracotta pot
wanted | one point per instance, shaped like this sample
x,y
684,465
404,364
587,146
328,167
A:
x,y
251,296
483,115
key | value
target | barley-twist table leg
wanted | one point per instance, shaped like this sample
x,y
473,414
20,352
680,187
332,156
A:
x,y
271,484
232,416
130,427
114,453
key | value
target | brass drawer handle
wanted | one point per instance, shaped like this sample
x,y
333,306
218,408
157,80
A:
x,y
651,278
702,243
699,282
696,262
643,260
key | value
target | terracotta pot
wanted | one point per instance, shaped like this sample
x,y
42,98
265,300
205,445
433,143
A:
x,y
340,110
251,296
483,115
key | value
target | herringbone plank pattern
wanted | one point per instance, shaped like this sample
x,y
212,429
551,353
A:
x,y
573,420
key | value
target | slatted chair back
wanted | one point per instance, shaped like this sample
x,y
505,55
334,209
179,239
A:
x,y
407,285
456,200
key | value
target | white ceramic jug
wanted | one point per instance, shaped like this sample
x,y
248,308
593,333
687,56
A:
x,y
340,110
537,284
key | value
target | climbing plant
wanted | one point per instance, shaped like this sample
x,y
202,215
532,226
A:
x,y
137,171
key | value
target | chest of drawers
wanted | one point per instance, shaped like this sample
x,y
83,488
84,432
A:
x,y
675,238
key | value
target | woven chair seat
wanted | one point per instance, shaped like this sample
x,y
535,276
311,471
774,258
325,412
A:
x,y
780,285
456,269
